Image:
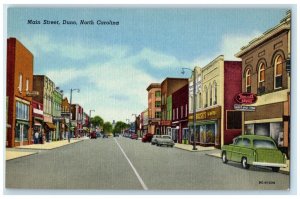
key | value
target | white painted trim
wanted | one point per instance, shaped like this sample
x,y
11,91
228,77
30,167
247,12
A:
x,y
23,101
264,121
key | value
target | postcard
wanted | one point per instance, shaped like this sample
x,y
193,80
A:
x,y
143,98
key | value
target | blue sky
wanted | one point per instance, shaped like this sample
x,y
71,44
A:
x,y
113,65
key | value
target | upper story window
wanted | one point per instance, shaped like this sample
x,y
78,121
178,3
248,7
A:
x,y
278,65
210,94
27,85
261,73
20,82
248,81
157,93
157,104
206,96
216,90
199,100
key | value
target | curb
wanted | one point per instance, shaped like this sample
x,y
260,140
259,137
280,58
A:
x,y
280,171
190,150
23,156
51,148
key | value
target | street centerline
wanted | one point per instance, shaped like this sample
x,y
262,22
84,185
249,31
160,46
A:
x,y
135,171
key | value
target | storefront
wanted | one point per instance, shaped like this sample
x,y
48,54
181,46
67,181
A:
x,y
208,129
38,120
165,127
22,127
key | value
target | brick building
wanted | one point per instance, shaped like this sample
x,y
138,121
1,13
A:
x,y
154,110
19,87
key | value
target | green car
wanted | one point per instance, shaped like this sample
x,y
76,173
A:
x,y
254,150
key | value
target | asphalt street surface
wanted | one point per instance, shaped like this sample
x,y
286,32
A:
x,y
124,164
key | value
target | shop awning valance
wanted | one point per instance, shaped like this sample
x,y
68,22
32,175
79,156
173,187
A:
x,y
50,125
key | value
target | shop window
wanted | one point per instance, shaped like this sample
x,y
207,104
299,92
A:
x,y
278,71
249,129
262,129
248,81
234,119
276,132
207,133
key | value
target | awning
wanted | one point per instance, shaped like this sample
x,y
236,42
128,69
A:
x,y
37,123
50,125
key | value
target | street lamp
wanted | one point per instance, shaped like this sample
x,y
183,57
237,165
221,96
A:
x,y
90,119
72,89
194,104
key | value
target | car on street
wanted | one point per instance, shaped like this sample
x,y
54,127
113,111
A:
x,y
165,140
154,139
93,135
134,136
147,137
254,150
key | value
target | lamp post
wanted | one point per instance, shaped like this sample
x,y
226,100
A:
x,y
90,119
72,89
194,104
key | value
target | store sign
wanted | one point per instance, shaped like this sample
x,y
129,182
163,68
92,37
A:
x,y
213,113
239,107
245,98
38,111
166,123
32,93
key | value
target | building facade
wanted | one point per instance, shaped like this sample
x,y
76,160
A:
x,y
145,121
56,113
180,115
77,120
266,73
45,87
65,113
154,108
217,122
19,87
168,87
37,119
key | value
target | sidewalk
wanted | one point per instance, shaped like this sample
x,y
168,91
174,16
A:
x,y
189,147
18,152
282,170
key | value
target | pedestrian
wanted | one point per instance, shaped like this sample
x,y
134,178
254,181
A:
x,y
69,136
36,137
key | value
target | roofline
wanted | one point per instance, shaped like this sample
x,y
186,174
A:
x,y
153,85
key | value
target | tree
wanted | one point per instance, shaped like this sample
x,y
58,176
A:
x,y
107,127
119,127
97,121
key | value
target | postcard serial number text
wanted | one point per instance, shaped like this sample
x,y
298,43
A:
x,y
72,22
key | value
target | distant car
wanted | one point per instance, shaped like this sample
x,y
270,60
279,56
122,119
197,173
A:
x,y
134,136
93,135
254,150
105,135
154,139
147,137
116,134
165,140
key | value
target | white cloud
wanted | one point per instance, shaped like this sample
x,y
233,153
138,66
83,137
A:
x,y
229,46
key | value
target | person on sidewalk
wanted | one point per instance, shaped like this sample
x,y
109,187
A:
x,y
69,136
36,137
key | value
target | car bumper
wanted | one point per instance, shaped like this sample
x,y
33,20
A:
x,y
267,164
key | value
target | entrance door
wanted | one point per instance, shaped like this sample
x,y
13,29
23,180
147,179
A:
x,y
21,134
174,134
185,136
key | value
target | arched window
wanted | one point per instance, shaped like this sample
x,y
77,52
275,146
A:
x,y
278,65
215,88
248,81
261,73
206,96
210,94
200,100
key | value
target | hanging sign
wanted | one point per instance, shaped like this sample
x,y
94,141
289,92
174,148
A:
x,y
245,98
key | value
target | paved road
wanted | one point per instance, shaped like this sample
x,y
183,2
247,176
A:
x,y
125,164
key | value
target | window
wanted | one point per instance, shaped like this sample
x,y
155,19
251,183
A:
x,y
216,90
199,101
210,94
186,110
206,96
27,85
20,82
246,142
176,113
157,93
157,104
234,120
278,71
157,114
22,111
261,73
248,81
173,114
181,112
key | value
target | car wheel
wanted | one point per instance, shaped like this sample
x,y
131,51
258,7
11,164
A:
x,y
245,165
275,169
224,157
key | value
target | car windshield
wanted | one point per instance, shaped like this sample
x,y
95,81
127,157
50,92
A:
x,y
166,137
266,144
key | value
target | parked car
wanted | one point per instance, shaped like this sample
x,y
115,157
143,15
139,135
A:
x,y
165,140
154,139
254,150
147,137
93,135
134,136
